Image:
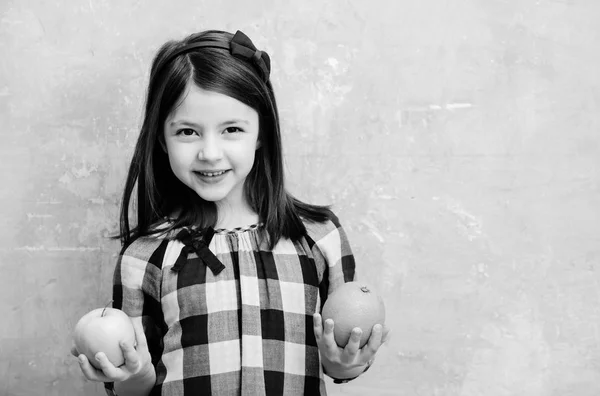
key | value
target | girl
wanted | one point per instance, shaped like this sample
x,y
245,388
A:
x,y
224,272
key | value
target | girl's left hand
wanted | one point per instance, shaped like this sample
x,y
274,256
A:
x,y
349,361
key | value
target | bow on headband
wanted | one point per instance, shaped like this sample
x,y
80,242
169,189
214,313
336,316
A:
x,y
240,46
197,242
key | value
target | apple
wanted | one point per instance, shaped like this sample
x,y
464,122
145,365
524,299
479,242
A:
x,y
101,330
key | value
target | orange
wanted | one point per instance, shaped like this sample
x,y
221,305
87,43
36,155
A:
x,y
354,304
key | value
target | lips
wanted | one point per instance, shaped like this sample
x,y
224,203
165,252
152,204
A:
x,y
212,176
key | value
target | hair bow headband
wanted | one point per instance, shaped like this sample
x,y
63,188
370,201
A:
x,y
240,46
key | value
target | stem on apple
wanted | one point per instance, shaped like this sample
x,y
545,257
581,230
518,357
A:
x,y
110,302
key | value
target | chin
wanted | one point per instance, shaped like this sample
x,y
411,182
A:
x,y
214,197
211,197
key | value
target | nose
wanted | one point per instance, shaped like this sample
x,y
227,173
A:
x,y
211,149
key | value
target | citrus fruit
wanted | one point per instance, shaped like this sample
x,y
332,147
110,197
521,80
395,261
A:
x,y
354,304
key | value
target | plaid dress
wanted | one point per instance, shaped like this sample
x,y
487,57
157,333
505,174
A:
x,y
225,315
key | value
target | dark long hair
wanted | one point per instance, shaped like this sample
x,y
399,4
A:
x,y
159,194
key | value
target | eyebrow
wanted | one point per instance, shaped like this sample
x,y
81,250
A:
x,y
191,123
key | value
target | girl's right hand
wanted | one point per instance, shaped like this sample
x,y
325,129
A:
x,y
137,360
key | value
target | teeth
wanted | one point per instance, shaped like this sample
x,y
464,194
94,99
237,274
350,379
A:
x,y
211,174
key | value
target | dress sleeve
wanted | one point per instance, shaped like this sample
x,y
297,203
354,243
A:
x,y
136,290
333,255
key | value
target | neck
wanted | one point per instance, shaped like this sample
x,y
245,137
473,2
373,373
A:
x,y
233,216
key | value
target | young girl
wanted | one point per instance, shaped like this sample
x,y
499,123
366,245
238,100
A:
x,y
224,273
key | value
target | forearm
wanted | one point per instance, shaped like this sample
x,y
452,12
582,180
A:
x,y
139,385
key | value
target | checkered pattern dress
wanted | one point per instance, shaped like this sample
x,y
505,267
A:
x,y
225,315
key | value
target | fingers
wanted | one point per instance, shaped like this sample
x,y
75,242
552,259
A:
x,y
328,328
328,336
370,349
106,371
353,344
109,370
89,371
132,358
317,327
324,335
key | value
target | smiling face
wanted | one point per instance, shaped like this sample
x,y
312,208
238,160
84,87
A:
x,y
211,140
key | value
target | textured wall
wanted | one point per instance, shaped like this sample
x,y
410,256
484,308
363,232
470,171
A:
x,y
459,142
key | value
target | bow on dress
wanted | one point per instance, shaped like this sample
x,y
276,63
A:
x,y
197,241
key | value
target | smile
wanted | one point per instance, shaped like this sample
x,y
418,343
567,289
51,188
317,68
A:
x,y
211,174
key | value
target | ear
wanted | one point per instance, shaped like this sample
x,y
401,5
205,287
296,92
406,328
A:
x,y
258,144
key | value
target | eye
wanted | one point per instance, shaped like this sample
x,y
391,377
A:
x,y
186,132
233,129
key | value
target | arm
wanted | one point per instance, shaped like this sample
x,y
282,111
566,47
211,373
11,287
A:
x,y
136,376
136,291
347,362
136,286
